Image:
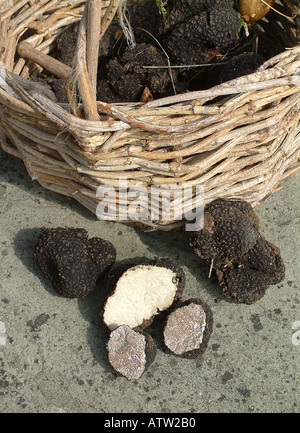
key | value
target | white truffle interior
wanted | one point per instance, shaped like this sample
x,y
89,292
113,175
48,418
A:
x,y
127,352
141,292
184,329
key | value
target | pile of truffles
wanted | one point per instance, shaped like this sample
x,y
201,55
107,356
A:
x,y
246,264
137,295
71,261
194,32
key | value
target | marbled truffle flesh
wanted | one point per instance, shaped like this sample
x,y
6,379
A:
x,y
130,352
141,292
188,328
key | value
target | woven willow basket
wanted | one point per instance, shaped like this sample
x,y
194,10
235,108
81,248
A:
x,y
236,140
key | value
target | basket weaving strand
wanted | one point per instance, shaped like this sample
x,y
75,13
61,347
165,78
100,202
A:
x,y
239,139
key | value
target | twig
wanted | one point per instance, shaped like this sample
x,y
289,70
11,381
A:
x,y
168,60
184,66
211,268
57,68
81,74
92,41
275,10
109,15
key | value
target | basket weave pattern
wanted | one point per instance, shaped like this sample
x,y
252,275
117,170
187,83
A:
x,y
238,139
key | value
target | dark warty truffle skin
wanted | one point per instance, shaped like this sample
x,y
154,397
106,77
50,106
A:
x,y
216,28
242,64
230,230
247,280
246,264
71,261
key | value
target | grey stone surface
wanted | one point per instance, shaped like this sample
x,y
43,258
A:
x,y
54,357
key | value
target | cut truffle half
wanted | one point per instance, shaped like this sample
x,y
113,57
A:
x,y
71,261
188,328
130,352
140,292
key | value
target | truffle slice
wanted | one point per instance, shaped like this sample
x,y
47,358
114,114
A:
x,y
230,230
71,261
247,280
188,328
140,292
130,352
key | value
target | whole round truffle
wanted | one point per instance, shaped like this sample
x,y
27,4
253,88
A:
x,y
191,40
230,229
71,261
248,278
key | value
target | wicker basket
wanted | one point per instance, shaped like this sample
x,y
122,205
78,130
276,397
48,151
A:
x,y
238,139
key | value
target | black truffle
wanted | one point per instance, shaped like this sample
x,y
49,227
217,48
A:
x,y
128,76
230,230
188,328
145,19
137,293
216,28
185,9
242,64
71,261
130,352
248,278
246,264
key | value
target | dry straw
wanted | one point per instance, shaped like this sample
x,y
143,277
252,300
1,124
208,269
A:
x,y
238,139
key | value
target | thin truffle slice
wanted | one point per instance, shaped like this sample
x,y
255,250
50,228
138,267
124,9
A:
x,y
130,352
71,261
137,293
188,328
